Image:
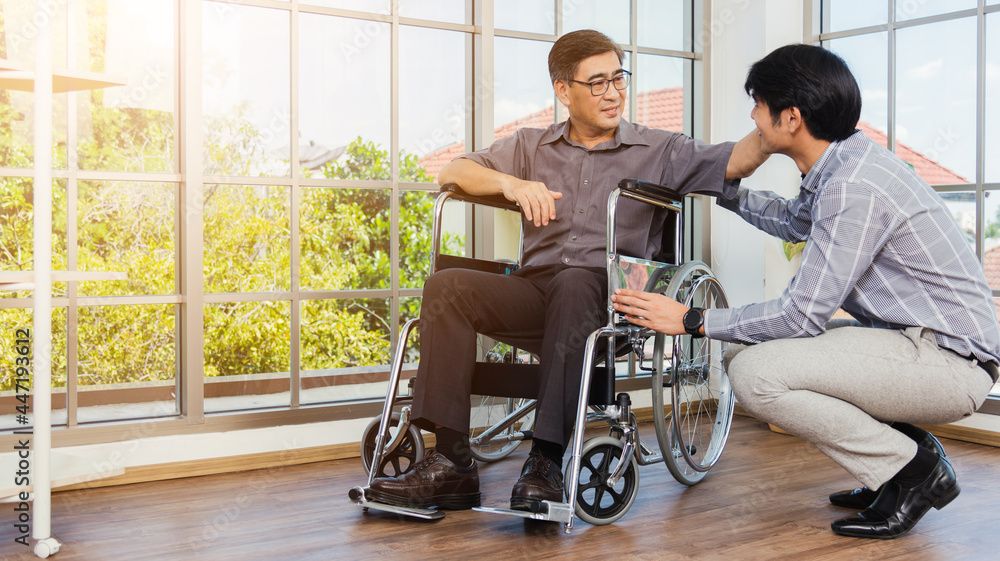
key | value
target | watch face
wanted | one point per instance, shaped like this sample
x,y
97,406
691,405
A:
x,y
693,320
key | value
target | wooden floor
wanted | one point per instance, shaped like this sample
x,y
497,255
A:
x,y
766,499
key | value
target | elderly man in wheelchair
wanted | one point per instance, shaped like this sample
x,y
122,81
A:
x,y
555,304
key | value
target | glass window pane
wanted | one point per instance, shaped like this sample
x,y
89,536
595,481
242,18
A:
x,y
664,24
344,239
841,15
127,227
416,217
452,11
17,129
131,127
532,16
409,308
991,238
430,118
19,29
17,230
522,92
336,112
127,362
11,320
868,58
661,101
247,239
374,6
17,44
17,123
16,226
992,116
247,355
912,9
245,88
610,17
340,338
936,98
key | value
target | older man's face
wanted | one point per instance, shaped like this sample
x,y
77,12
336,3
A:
x,y
595,115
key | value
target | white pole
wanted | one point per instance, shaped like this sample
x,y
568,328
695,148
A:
x,y
42,348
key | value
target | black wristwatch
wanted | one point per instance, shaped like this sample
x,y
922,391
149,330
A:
x,y
693,320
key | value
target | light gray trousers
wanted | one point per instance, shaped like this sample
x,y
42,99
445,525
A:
x,y
839,390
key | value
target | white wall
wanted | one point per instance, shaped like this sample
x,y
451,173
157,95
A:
x,y
750,264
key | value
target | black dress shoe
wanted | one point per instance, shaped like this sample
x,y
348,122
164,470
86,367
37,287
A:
x,y
898,509
541,480
434,481
862,497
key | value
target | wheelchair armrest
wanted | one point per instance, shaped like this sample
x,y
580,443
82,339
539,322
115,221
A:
x,y
495,201
651,192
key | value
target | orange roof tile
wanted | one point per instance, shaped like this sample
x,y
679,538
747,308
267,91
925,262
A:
x,y
929,170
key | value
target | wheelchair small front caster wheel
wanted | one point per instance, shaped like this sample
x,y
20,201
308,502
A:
x,y
46,547
598,503
397,461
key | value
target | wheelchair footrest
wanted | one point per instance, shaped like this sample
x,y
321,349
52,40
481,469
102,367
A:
x,y
548,511
358,497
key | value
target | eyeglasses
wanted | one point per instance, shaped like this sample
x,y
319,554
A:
x,y
598,87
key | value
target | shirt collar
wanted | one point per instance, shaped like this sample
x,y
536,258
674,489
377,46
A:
x,y
810,180
625,134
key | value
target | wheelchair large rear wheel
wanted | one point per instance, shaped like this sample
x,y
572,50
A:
x,y
693,432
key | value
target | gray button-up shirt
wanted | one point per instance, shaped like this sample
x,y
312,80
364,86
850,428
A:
x,y
586,176
880,243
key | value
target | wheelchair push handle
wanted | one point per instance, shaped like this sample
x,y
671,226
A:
x,y
652,193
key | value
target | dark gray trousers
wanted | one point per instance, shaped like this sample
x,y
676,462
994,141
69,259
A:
x,y
555,306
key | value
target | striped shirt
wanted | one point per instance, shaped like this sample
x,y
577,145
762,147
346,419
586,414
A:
x,y
880,243
586,176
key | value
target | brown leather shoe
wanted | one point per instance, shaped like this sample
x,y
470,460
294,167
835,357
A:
x,y
433,481
541,480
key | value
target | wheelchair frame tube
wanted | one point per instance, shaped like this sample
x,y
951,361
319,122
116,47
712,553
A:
x,y
490,434
436,226
581,415
390,398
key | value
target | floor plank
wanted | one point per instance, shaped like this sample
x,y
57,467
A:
x,y
766,499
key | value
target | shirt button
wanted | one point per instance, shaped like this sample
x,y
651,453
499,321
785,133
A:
x,y
573,238
566,260
580,210
586,182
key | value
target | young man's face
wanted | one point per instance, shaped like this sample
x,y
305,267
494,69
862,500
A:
x,y
771,137
594,115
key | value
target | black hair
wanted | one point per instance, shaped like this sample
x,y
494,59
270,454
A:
x,y
813,79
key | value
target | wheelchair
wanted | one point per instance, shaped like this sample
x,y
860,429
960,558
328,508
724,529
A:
x,y
692,402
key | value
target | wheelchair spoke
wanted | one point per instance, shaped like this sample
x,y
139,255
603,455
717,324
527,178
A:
x,y
695,427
